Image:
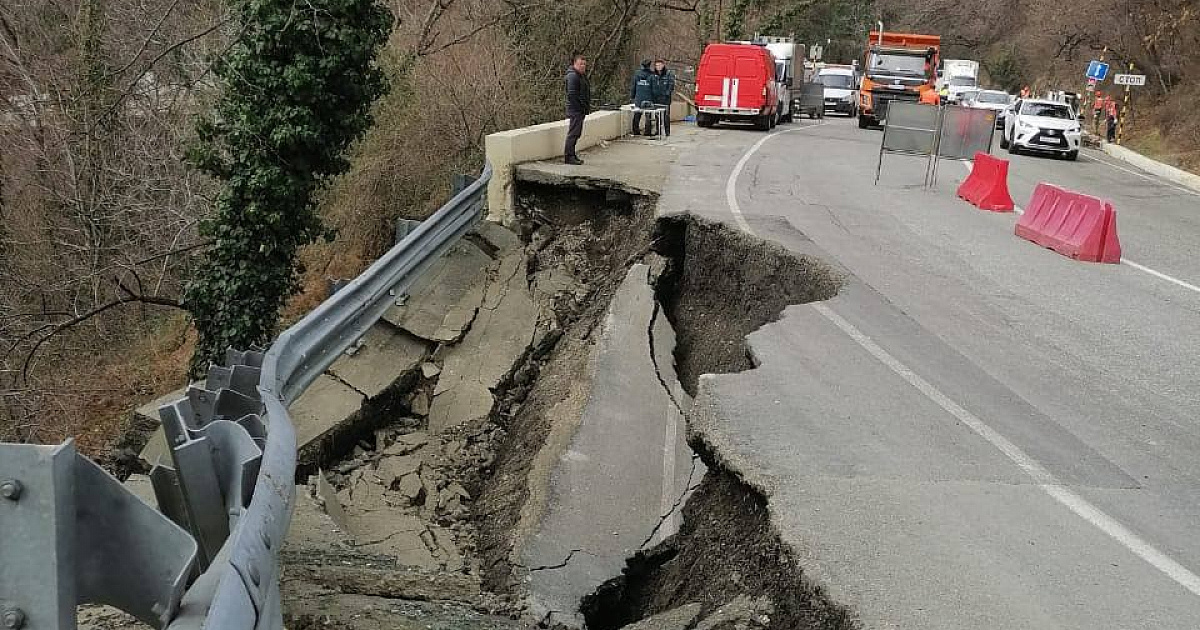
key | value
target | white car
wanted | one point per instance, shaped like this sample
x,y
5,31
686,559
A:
x,y
994,100
1044,126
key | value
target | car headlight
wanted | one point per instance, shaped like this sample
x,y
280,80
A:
x,y
1024,125
849,98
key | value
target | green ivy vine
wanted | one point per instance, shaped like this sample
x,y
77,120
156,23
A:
x,y
298,84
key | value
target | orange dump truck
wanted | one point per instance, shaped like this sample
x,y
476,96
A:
x,y
899,67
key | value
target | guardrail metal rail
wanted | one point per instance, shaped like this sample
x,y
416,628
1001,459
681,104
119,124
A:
x,y
71,534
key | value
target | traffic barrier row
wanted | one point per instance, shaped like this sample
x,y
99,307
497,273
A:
x,y
987,185
1073,224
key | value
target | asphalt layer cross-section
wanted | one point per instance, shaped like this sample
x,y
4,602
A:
x,y
976,432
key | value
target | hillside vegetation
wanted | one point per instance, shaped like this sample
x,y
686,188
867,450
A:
x,y
99,101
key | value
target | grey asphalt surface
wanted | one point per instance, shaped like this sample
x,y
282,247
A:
x,y
895,504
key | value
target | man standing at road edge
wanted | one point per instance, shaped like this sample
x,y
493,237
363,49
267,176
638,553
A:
x,y
642,94
579,103
665,90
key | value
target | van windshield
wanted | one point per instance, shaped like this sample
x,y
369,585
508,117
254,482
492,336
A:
x,y
839,81
962,82
992,97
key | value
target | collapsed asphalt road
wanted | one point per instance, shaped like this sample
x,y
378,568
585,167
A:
x,y
540,443
976,432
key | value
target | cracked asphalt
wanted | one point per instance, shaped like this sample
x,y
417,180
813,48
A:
x,y
976,432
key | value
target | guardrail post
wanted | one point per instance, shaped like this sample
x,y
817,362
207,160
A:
x,y
72,534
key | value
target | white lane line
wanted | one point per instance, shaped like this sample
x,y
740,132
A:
x,y
1044,479
667,505
1156,180
1144,269
1161,275
731,183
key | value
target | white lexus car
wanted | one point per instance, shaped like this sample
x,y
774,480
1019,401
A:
x,y
1042,126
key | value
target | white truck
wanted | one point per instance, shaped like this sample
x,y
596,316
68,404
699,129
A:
x,y
958,76
788,57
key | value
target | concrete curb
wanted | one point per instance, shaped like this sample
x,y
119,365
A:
x,y
1165,171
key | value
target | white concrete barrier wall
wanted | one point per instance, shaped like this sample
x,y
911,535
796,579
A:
x,y
506,149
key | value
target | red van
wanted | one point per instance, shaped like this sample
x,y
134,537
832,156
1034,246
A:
x,y
736,82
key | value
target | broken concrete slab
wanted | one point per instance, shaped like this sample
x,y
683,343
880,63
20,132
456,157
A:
x,y
499,337
312,528
502,239
392,469
395,535
410,489
443,302
332,506
742,612
141,487
148,413
683,472
321,408
680,618
384,355
406,443
608,490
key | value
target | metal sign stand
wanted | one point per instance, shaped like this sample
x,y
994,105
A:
x,y
909,129
935,133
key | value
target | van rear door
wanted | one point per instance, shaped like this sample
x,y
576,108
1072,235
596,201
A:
x,y
713,79
749,78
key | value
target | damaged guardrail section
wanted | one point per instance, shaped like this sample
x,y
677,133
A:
x,y
72,534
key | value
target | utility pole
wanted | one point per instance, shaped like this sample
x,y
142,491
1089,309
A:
x,y
1124,109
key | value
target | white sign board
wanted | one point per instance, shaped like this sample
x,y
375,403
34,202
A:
x,y
815,52
1129,79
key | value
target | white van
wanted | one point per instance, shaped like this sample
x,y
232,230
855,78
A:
x,y
841,89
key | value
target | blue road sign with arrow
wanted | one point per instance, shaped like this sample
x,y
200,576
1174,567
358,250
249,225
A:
x,y
1097,70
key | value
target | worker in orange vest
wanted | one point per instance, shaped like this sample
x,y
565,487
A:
x,y
1110,109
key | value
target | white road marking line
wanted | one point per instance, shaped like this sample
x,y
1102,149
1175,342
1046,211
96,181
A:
x,y
1158,274
1156,180
731,183
1044,479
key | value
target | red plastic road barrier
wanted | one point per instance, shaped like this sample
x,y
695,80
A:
x,y
987,185
1072,224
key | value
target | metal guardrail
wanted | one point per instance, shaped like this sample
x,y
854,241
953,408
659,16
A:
x,y
72,534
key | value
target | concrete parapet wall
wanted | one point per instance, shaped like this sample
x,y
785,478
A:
x,y
1165,171
506,149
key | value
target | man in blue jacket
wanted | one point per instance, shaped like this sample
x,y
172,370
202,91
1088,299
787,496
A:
x,y
664,90
641,92
579,104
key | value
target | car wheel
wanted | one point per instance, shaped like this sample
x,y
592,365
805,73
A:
x,y
1073,155
1013,149
1003,141
704,120
763,123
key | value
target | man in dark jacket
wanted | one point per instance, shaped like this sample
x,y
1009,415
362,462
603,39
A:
x,y
579,104
642,94
664,91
